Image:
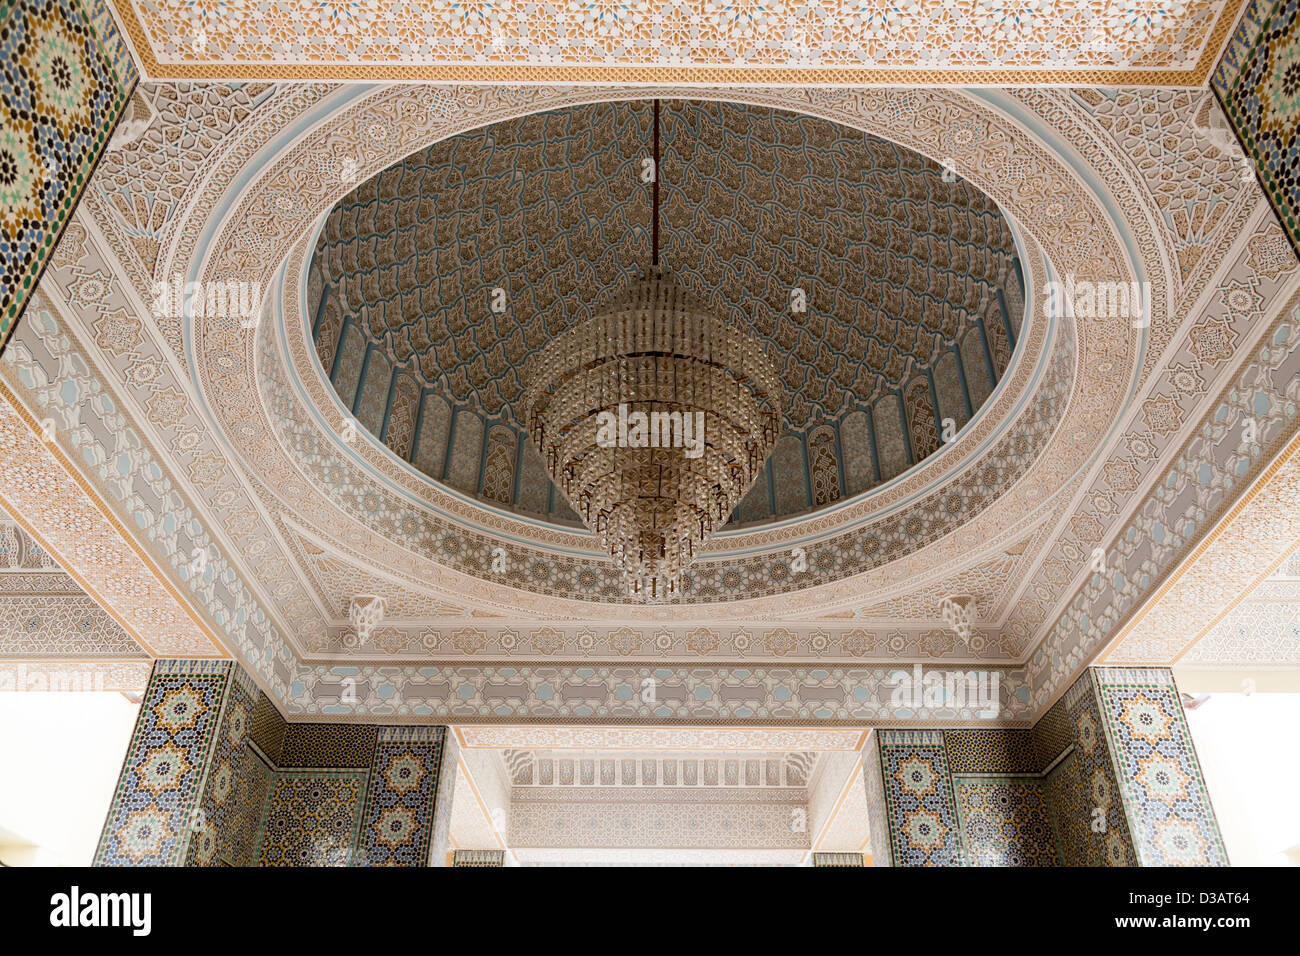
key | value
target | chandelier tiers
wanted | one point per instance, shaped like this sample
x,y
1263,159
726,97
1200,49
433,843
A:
x,y
653,419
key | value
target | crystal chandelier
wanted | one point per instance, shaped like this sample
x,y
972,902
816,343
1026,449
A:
x,y
653,418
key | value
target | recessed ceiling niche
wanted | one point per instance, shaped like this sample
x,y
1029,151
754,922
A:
x,y
889,297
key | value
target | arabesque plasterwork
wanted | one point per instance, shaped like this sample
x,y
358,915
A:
x,y
1258,629
794,598
756,739
709,41
41,489
43,612
1236,561
1206,318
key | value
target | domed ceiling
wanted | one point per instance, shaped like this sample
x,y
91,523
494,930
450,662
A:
x,y
197,440
434,282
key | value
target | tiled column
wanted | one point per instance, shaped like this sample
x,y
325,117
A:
x,y
1251,81
165,798
1161,788
235,790
1124,781
1087,808
408,804
910,800
873,781
957,798
964,797
1107,777
51,46
214,775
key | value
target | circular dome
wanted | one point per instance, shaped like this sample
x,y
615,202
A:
x,y
886,290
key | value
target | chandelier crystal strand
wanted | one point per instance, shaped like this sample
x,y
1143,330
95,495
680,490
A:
x,y
659,353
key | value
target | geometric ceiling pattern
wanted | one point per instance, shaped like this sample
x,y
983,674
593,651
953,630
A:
x,y
45,613
212,454
772,41
886,288
649,805
167,132
1116,488
463,539
561,564
1226,602
1263,630
53,635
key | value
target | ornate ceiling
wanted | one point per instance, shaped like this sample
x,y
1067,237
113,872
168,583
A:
x,y
193,476
1263,629
180,482
53,635
662,41
44,613
1225,603
886,289
597,795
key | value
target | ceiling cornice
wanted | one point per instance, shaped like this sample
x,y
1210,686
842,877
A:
x,y
759,43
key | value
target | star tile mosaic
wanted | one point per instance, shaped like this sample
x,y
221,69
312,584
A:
x,y
156,808
990,751
1005,821
215,777
1164,793
1258,80
399,815
923,824
1050,795
312,818
229,814
64,79
1090,812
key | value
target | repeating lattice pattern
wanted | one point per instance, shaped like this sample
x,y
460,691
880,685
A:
x,y
829,34
152,819
1165,797
169,130
64,79
1257,80
312,818
857,263
48,624
1005,821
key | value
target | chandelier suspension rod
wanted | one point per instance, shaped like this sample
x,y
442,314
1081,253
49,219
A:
x,y
654,192
654,504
